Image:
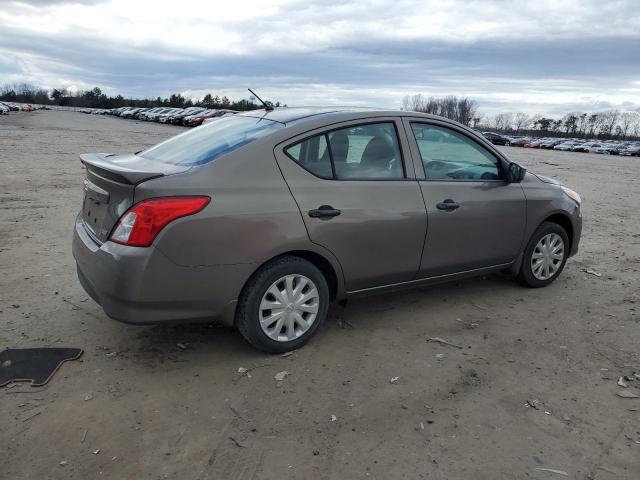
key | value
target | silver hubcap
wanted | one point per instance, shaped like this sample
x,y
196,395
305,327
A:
x,y
289,307
547,256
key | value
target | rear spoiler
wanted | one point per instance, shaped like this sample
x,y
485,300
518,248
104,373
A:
x,y
129,169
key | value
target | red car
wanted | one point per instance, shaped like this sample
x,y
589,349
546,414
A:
x,y
195,121
520,142
532,144
27,108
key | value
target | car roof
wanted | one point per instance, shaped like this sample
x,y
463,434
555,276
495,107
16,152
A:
x,y
318,115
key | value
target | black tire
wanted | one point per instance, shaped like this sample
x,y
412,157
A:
x,y
248,314
526,276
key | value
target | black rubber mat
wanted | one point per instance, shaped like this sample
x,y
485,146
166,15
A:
x,y
35,365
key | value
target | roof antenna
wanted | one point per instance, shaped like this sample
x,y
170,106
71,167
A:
x,y
267,107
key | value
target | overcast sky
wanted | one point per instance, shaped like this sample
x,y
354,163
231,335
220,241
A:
x,y
546,57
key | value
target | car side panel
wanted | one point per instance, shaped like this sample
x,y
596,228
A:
x,y
250,216
379,235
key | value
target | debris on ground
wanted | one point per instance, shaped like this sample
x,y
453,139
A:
x,y
553,470
622,383
333,418
469,325
63,463
84,435
631,439
627,394
88,397
32,416
286,354
316,452
280,376
237,413
182,346
236,442
96,451
442,342
592,272
344,324
246,372
34,365
394,379
535,404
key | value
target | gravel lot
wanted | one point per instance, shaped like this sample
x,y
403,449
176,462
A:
x,y
151,409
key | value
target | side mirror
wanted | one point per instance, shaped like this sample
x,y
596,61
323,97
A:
x,y
515,173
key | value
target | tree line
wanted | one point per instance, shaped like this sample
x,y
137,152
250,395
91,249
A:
x,y
96,98
608,124
463,110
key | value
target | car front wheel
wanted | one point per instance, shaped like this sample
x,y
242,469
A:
x,y
283,305
545,256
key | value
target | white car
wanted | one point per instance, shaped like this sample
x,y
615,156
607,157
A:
x,y
601,149
631,151
565,146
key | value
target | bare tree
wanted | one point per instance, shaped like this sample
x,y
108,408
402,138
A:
x,y
627,120
414,103
570,121
608,121
467,110
462,110
502,121
635,126
582,124
593,123
521,121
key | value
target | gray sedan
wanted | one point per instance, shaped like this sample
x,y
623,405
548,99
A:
x,y
262,219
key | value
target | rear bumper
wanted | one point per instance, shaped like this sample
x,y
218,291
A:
x,y
143,286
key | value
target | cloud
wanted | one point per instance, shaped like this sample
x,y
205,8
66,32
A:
x,y
545,56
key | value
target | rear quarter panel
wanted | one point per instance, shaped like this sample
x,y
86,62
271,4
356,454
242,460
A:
x,y
251,218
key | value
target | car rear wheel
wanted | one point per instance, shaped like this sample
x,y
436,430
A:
x,y
545,256
283,305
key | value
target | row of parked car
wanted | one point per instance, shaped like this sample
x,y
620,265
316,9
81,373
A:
x,y
604,147
188,117
6,107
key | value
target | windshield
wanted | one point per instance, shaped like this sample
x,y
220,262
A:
x,y
204,144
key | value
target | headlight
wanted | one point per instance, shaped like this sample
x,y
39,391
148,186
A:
x,y
571,194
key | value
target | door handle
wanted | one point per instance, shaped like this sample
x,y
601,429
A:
x,y
324,211
447,205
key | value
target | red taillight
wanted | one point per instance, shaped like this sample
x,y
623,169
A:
x,y
140,225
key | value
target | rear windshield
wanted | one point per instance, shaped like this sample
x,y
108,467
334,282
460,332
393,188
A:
x,y
204,144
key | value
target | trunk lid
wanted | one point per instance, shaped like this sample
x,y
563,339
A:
x,y
110,185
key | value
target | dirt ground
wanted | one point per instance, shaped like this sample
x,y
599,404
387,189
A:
x,y
533,388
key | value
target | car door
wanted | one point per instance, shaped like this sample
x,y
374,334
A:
x,y
357,199
476,218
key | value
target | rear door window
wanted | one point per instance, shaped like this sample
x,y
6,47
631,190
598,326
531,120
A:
x,y
361,152
313,155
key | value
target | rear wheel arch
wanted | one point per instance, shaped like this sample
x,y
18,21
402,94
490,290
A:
x,y
319,261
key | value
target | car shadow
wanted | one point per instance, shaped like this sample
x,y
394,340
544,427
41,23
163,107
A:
x,y
212,343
